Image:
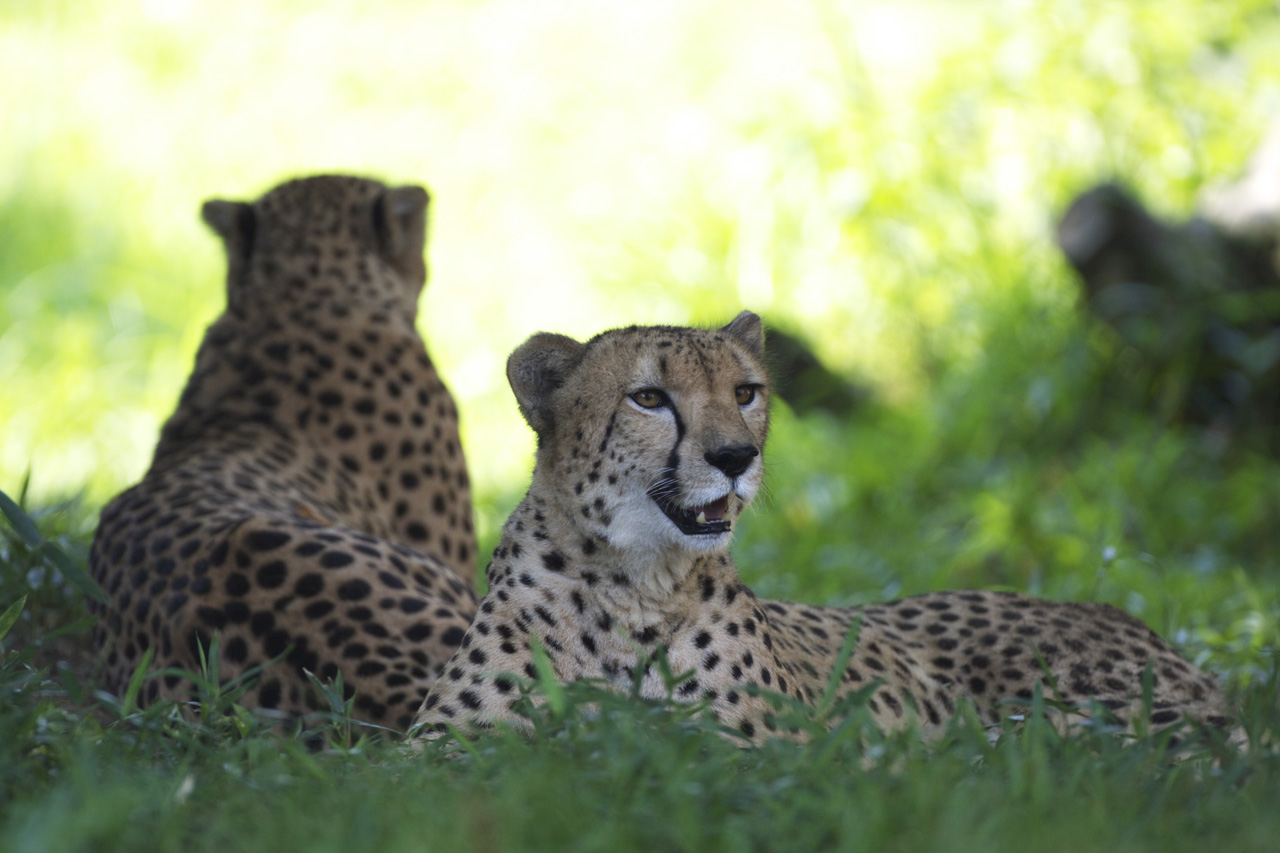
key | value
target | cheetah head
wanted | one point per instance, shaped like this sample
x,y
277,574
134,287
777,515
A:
x,y
649,438
324,241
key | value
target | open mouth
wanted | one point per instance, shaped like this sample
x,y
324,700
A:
x,y
698,520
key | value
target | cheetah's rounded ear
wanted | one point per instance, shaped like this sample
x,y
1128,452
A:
x,y
400,218
234,222
536,369
749,331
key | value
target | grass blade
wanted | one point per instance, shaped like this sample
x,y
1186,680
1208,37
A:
x,y
130,699
10,616
20,521
73,572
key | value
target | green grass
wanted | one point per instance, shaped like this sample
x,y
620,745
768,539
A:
x,y
724,155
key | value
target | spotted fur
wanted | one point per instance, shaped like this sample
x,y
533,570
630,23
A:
x,y
309,494
648,451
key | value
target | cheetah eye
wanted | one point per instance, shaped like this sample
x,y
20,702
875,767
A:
x,y
744,394
649,398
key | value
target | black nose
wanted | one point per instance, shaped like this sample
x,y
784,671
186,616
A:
x,y
732,460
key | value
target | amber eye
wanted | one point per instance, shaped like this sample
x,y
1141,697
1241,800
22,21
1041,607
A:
x,y
744,394
649,398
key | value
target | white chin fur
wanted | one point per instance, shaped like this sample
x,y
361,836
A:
x,y
639,526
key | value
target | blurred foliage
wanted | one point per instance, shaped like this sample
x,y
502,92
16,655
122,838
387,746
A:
x,y
882,176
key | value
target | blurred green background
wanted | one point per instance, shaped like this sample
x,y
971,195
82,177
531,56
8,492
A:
x,y
882,176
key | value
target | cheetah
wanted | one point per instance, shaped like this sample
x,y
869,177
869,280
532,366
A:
x,y
308,498
649,444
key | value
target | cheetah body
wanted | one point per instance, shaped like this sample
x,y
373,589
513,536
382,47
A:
x,y
308,497
648,451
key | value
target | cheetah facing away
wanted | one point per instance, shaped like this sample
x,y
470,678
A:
x,y
309,494
649,443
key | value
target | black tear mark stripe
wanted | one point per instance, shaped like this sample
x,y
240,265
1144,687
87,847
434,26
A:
x,y
673,460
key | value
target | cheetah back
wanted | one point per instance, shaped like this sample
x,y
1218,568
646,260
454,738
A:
x,y
308,498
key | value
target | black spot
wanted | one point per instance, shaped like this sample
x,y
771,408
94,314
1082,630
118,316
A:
x,y
273,574
309,584
219,554
453,636
237,584
354,590
419,631
275,643
336,560
318,609
269,694
553,561
266,540
262,622
235,650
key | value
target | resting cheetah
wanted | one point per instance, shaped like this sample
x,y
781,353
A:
x,y
649,445
309,493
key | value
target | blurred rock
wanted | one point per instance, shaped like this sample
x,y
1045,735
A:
x,y
1250,207
805,382
1198,301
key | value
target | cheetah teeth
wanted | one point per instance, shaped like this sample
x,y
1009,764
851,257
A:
x,y
702,518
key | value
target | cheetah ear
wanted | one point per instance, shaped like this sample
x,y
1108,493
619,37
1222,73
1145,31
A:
x,y
234,222
536,369
400,220
749,331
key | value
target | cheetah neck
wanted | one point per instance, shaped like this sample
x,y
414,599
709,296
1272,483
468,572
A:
x,y
544,549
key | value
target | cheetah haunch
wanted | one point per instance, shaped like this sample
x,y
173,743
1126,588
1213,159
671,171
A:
x,y
649,444
309,493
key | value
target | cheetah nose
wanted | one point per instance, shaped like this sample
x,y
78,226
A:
x,y
732,459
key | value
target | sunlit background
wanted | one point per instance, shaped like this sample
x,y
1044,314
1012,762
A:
x,y
882,176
